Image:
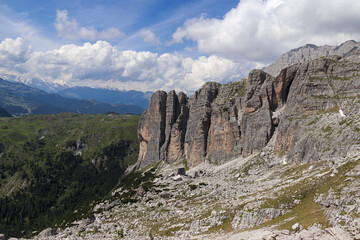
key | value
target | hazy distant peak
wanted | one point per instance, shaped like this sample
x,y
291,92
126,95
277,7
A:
x,y
38,83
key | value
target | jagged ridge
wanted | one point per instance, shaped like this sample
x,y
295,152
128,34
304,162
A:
x,y
309,52
221,122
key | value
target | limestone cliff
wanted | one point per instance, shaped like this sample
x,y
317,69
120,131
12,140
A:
x,y
309,52
220,122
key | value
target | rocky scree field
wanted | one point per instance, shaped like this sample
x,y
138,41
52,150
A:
x,y
259,195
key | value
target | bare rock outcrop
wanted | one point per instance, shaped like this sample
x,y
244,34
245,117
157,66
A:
x,y
151,129
312,127
253,218
218,123
310,52
307,105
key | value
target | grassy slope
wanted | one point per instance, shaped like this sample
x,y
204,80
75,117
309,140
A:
x,y
43,175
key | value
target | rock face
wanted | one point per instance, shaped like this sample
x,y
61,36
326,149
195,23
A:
x,y
151,129
309,52
250,219
220,122
311,126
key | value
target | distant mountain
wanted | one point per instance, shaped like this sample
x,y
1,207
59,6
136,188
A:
x,y
4,113
38,83
20,99
310,52
108,96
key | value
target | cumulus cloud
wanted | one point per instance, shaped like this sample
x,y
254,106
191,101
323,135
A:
x,y
70,29
102,65
149,37
261,30
13,52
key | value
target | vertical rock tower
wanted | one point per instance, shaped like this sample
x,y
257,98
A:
x,y
222,122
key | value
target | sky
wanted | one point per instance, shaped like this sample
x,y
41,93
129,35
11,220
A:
x,y
148,45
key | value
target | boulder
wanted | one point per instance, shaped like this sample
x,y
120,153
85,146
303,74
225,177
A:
x,y
177,178
140,192
296,227
181,171
48,232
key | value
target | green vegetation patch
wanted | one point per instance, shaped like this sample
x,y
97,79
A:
x,y
185,163
307,212
326,129
334,109
239,88
315,78
345,78
52,165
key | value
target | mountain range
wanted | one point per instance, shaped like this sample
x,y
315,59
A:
x,y
20,99
129,99
49,87
272,156
108,96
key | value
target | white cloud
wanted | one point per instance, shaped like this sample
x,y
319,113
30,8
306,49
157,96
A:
x,y
259,30
70,29
13,52
102,65
188,49
149,37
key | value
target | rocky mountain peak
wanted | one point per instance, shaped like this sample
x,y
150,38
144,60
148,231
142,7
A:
x,y
223,121
309,52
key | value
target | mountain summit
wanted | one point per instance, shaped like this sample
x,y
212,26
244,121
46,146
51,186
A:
x,y
311,51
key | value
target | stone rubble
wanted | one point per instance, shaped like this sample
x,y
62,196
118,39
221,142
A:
x,y
214,205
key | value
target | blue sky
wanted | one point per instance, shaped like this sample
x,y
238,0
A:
x,y
161,44
162,17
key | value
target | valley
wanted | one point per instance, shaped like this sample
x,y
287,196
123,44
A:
x,y
52,166
19,99
266,157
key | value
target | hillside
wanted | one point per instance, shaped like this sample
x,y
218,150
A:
x,y
4,113
20,99
264,158
53,166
